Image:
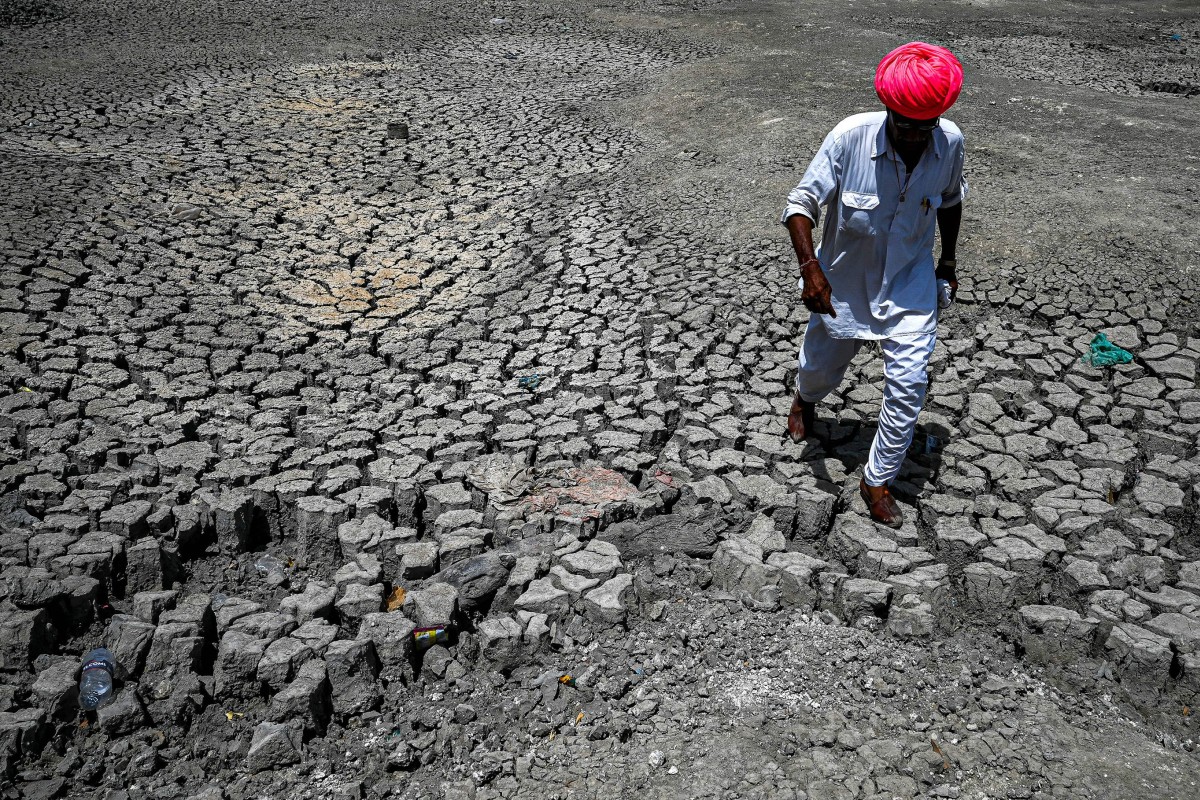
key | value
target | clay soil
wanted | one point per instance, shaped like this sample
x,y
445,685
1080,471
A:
x,y
279,280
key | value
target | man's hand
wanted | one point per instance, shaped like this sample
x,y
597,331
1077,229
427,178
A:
x,y
817,292
949,219
817,295
947,270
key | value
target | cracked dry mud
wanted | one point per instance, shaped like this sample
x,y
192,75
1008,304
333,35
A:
x,y
321,323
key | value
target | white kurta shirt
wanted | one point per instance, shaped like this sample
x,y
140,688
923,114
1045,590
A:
x,y
877,251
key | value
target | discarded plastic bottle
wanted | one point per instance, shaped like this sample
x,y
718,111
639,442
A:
x,y
945,296
274,570
925,444
96,678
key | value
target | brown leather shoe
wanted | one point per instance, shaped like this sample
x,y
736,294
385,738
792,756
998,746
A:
x,y
801,419
883,507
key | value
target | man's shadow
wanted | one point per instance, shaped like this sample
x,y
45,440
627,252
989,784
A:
x,y
850,443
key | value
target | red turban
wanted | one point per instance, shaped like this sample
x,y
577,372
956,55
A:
x,y
918,80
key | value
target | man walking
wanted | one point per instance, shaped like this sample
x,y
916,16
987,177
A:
x,y
883,178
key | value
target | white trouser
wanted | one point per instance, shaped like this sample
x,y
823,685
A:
x,y
822,365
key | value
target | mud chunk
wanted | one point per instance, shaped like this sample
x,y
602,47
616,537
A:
x,y
1139,654
353,669
23,636
148,606
267,625
1183,631
1083,576
693,533
543,597
911,617
236,670
500,641
22,732
358,600
1053,634
124,714
281,662
174,645
231,514
306,698
317,522
764,533
434,604
796,581
275,744
391,634
317,634
57,689
144,567
445,497
738,564
859,597
476,578
129,640
610,602
315,602
126,519
417,559
186,458
592,564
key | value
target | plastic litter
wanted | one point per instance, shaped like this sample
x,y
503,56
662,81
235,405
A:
x,y
396,599
567,680
424,638
504,480
937,749
1103,353
186,212
925,444
271,567
96,678
562,487
945,296
530,382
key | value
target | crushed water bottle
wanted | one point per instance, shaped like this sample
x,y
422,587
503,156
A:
x,y
274,570
945,297
96,678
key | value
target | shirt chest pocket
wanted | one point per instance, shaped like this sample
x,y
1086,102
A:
x,y
858,212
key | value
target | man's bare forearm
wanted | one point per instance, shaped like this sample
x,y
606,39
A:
x,y
949,220
800,229
816,294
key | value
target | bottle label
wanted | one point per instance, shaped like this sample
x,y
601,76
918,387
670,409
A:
x,y
97,663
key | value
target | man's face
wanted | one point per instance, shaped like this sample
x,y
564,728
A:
x,y
905,130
